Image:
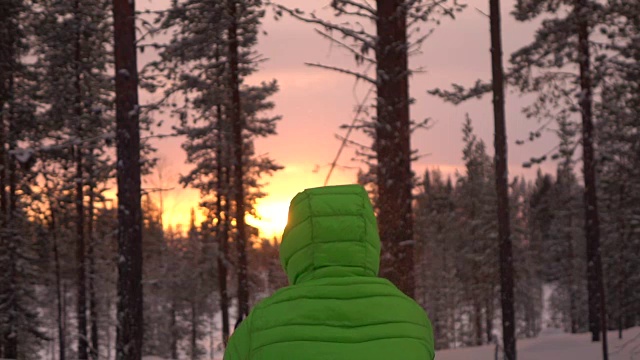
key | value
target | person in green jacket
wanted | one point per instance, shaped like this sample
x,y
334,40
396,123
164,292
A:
x,y
336,306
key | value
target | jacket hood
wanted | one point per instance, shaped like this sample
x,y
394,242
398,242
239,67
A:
x,y
331,232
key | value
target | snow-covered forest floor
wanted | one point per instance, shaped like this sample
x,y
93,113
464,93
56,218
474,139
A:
x,y
552,344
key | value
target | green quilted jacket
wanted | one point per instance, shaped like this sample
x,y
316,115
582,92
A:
x,y
336,307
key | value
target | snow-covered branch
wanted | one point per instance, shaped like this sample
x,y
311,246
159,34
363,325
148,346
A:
x,y
24,154
460,94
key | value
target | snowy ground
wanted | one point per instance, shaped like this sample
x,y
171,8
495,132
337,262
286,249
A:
x,y
555,345
550,345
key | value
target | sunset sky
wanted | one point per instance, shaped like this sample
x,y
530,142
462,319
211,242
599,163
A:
x,y
315,102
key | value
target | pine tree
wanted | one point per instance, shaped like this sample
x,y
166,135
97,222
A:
x,y
130,300
20,332
73,42
528,297
559,43
502,179
438,236
21,273
619,156
396,36
478,201
54,225
218,113
546,67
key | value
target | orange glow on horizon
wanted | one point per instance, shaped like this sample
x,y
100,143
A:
x,y
272,218
271,212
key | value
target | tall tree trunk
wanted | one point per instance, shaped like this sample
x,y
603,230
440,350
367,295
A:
x,y
173,345
129,325
595,283
393,146
81,291
226,223
93,304
502,189
489,320
622,251
64,310
81,295
4,216
8,343
238,125
194,332
477,315
222,233
573,310
11,337
56,260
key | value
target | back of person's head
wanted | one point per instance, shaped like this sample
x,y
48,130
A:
x,y
331,232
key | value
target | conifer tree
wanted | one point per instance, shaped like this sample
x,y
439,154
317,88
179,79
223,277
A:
x,y
397,34
221,116
73,42
130,297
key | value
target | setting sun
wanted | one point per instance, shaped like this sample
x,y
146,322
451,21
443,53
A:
x,y
272,218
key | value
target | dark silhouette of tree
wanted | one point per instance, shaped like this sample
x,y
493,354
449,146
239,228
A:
x,y
502,187
129,313
396,36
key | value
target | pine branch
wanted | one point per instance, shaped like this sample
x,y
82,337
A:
x,y
355,13
361,36
461,94
362,147
345,71
24,152
359,56
366,7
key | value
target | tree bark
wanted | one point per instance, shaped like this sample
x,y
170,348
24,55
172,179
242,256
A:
x,y
8,343
12,339
489,320
622,270
81,291
56,259
174,330
4,216
129,323
238,125
477,314
573,311
93,304
222,232
595,283
194,331
502,189
393,146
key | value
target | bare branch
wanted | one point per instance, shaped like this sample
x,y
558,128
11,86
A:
x,y
365,7
345,139
358,12
345,71
482,12
358,54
